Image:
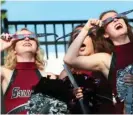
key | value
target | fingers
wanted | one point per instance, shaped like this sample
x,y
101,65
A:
x,y
79,95
12,40
78,92
96,22
7,39
93,22
6,36
128,78
100,23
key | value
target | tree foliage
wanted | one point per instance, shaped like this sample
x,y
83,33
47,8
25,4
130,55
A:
x,y
2,1
3,12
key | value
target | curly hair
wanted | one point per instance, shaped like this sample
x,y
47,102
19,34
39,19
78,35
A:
x,y
10,59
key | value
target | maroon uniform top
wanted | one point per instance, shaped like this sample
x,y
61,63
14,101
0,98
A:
x,y
97,90
103,92
24,77
124,57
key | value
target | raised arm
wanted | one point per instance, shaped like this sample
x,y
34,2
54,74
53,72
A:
x,y
95,62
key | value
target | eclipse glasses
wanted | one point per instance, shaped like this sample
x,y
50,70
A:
x,y
30,36
105,22
35,36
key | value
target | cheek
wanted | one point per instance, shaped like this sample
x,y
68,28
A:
x,y
88,49
124,24
122,21
35,46
90,44
108,28
19,43
91,47
18,46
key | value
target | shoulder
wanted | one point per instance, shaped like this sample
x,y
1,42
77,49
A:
x,y
103,57
106,58
5,71
102,60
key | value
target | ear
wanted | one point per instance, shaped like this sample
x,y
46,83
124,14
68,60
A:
x,y
106,35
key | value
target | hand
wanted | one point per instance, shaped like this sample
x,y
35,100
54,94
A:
x,y
93,22
128,78
78,92
6,41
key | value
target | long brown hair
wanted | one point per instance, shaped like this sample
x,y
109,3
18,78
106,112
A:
x,y
75,33
129,27
100,45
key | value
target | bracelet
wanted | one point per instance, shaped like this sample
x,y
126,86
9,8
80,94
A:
x,y
86,28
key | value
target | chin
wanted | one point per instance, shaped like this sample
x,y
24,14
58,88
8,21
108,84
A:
x,y
121,32
29,51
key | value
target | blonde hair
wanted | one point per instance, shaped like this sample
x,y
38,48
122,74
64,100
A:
x,y
10,59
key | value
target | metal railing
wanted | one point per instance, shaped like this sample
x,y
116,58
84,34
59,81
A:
x,y
58,27
48,43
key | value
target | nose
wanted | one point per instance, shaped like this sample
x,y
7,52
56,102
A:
x,y
27,38
115,19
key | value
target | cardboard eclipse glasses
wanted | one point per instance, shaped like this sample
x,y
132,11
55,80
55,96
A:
x,y
105,22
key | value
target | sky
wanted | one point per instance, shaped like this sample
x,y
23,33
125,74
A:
x,y
61,10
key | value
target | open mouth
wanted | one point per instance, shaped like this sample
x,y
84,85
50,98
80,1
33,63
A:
x,y
27,45
83,45
82,48
118,26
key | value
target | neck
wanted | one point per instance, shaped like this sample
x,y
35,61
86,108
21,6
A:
x,y
121,40
26,57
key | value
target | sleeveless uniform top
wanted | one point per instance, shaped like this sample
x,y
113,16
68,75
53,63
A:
x,y
84,79
103,94
24,77
103,91
97,93
124,57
